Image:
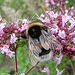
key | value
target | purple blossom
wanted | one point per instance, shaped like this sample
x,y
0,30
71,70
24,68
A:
x,y
10,54
54,30
72,34
65,18
59,73
62,31
72,21
24,25
46,70
62,34
51,14
5,49
13,38
2,25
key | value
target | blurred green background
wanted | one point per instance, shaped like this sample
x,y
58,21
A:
x,y
20,9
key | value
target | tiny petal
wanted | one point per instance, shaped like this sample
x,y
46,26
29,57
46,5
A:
x,y
42,15
53,30
65,19
51,14
73,33
58,59
67,2
52,1
25,21
72,21
62,34
47,4
24,27
10,54
13,38
59,73
46,70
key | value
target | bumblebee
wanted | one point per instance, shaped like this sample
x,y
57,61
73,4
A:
x,y
40,43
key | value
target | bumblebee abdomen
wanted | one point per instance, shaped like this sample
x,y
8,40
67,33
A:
x,y
44,52
34,32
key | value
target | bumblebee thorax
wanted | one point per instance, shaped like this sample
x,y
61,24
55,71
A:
x,y
34,32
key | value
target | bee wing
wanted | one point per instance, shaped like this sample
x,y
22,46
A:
x,y
34,46
49,42
44,40
54,43
32,58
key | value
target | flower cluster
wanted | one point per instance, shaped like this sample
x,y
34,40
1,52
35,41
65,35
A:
x,y
60,6
63,28
61,22
9,35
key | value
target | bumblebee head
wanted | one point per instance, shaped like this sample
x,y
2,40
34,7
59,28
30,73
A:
x,y
34,30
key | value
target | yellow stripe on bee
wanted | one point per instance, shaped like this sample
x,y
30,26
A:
x,y
34,24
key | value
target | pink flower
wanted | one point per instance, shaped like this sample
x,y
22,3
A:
x,y
67,2
47,20
5,49
52,1
13,38
59,73
65,18
53,30
47,4
2,25
10,54
42,15
72,21
62,34
41,19
55,15
51,14
24,25
46,70
73,33
58,59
